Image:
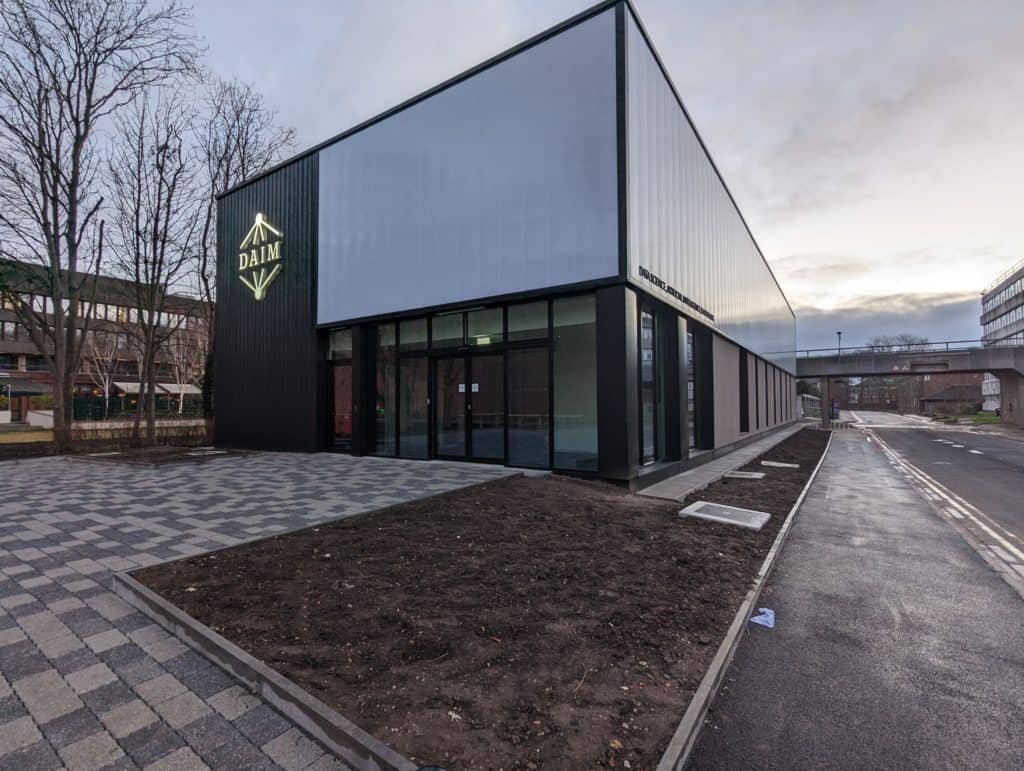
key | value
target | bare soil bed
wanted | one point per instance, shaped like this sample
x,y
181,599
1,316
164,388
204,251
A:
x,y
524,623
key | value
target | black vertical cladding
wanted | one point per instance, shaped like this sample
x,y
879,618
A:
x,y
271,392
704,387
744,394
684,379
618,394
674,397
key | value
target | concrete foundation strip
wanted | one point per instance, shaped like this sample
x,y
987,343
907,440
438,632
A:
x,y
685,738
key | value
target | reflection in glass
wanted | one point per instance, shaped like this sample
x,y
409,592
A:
x,y
487,399
450,407
413,335
484,326
648,415
447,330
341,344
385,412
575,379
412,401
691,383
528,406
343,406
528,321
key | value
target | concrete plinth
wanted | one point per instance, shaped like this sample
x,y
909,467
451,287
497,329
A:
x,y
1011,387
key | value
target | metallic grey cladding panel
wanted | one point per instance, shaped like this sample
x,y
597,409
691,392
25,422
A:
x,y
504,182
268,391
682,226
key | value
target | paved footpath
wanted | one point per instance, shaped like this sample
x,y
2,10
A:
x,y
895,645
86,682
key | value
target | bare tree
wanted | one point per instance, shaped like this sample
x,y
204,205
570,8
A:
x,y
186,352
904,341
237,137
100,353
156,219
67,66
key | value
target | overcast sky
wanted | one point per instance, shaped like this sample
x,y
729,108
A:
x,y
875,148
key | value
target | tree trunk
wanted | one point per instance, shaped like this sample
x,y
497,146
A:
x,y
151,403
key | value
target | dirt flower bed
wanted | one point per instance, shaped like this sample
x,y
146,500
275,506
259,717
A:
x,y
521,624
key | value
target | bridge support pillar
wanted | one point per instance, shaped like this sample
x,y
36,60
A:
x,y
1011,397
825,389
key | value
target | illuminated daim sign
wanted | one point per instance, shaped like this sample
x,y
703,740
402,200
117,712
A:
x,y
259,256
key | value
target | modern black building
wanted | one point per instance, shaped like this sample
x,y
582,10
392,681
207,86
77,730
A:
x,y
535,263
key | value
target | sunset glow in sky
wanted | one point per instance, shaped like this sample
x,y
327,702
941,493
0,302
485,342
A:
x,y
875,148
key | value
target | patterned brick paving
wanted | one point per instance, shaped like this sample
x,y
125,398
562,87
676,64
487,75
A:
x,y
86,682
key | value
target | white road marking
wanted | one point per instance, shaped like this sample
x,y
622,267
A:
x,y
976,452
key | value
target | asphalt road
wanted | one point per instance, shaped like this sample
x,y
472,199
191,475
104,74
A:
x,y
986,471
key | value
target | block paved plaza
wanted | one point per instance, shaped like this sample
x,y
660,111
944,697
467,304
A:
x,y
86,681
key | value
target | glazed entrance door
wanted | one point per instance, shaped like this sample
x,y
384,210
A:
x,y
450,406
487,407
469,407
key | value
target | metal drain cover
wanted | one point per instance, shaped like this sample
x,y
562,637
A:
x,y
744,474
779,464
729,515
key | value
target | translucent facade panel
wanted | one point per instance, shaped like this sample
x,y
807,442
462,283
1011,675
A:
x,y
506,181
686,238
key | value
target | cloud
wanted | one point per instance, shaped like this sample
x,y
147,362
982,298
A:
x,y
945,316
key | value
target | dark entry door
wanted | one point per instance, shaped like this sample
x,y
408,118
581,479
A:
x,y
450,407
469,407
487,407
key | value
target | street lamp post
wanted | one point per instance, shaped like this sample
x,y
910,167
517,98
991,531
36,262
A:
x,y
840,336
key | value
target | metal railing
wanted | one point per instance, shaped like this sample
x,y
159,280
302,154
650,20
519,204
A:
x,y
943,346
1003,276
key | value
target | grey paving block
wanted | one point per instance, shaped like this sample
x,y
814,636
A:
x,y
207,733
36,757
90,678
182,709
128,718
91,753
180,760
233,702
108,697
292,750
17,734
46,696
206,682
237,754
85,622
138,670
72,662
152,742
262,724
104,641
57,647
11,708
161,688
71,728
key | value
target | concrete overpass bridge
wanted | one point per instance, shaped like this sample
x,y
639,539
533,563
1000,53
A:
x,y
1005,362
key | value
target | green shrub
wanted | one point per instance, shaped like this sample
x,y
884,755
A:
x,y
41,402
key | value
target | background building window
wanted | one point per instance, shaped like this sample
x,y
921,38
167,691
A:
x,y
575,383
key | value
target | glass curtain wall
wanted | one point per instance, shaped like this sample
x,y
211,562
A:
x,y
574,331
691,391
341,354
648,388
384,433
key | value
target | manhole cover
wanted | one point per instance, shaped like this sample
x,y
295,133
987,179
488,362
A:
x,y
729,515
745,474
779,464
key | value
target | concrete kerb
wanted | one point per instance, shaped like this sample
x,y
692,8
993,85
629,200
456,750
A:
x,y
351,743
343,737
685,737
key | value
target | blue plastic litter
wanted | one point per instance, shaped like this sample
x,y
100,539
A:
x,y
764,617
